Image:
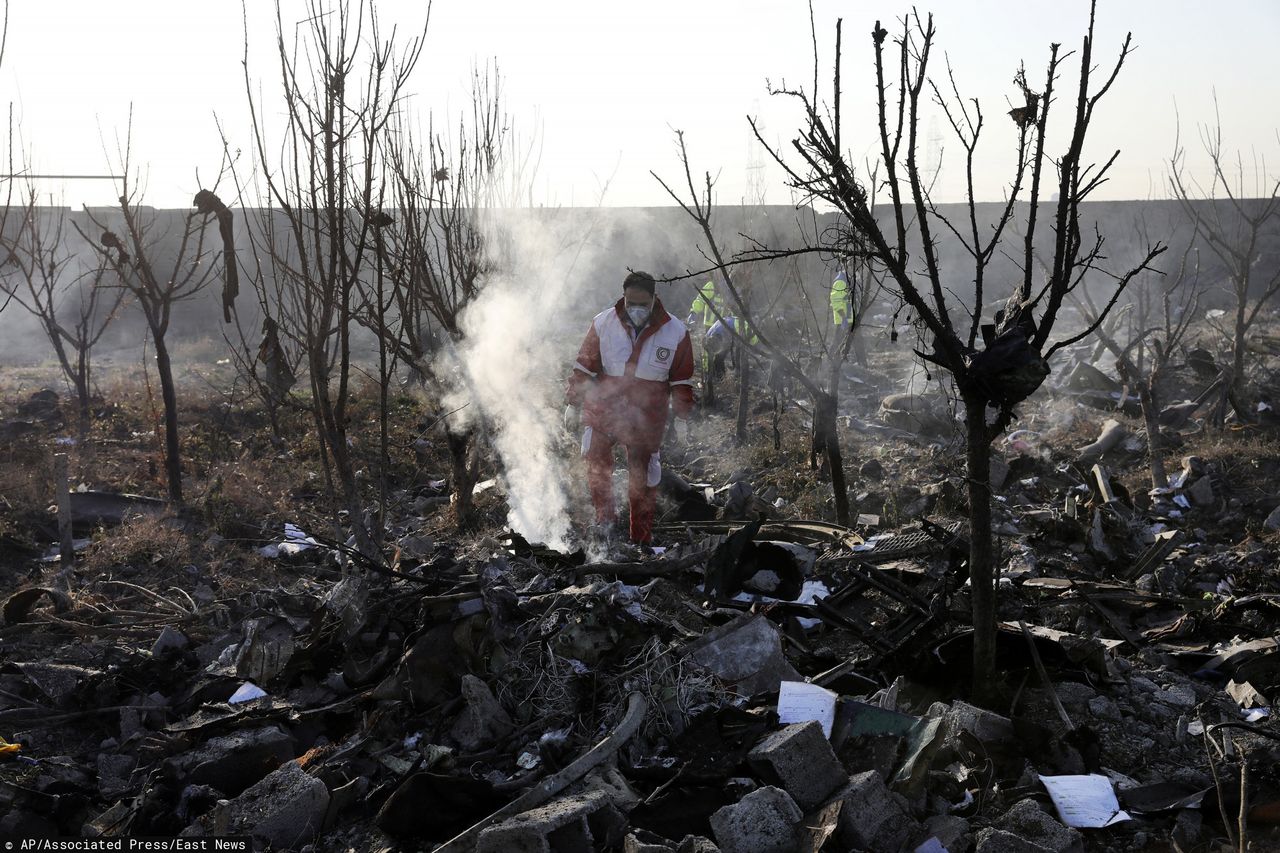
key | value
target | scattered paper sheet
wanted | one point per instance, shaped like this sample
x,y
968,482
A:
x,y
247,693
1085,802
933,845
800,702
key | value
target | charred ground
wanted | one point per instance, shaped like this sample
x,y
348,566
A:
x,y
409,701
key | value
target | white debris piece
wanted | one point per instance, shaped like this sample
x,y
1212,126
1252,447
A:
x,y
247,693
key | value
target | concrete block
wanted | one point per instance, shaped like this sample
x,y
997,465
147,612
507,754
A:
x,y
1104,708
992,840
799,759
1181,696
1027,820
1074,695
561,825
633,844
285,810
763,821
872,817
114,775
234,762
951,831
483,721
985,725
1201,492
609,781
170,640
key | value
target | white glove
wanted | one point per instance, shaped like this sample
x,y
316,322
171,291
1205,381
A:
x,y
572,419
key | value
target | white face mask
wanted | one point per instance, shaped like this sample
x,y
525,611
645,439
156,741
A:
x,y
639,314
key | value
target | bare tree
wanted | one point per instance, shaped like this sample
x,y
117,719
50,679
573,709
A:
x,y
699,205
72,304
1144,335
342,81
1013,363
1231,212
447,244
158,277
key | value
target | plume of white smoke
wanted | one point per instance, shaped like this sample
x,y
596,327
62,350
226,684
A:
x,y
519,339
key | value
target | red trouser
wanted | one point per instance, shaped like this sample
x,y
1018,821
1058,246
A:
x,y
642,469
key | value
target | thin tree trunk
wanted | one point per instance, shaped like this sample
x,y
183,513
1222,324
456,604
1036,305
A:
x,y
1238,351
273,415
384,414
1235,392
709,380
172,451
744,395
330,423
827,441
981,546
384,446
82,394
345,470
859,344
1159,477
464,477
777,417
834,454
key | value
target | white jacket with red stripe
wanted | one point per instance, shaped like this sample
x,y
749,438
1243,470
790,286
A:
x,y
625,381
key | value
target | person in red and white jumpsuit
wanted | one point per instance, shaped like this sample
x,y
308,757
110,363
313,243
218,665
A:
x,y
635,364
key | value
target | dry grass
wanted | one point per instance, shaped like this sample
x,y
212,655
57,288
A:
x,y
26,475
140,543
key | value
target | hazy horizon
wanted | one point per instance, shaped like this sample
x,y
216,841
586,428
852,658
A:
x,y
603,90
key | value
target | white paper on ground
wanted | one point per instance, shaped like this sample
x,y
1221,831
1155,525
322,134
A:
x,y
1085,802
933,845
800,702
247,692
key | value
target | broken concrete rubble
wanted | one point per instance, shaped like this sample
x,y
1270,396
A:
x,y
1028,821
872,817
482,721
286,810
799,759
764,821
231,763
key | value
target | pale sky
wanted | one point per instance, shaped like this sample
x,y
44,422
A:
x,y
606,83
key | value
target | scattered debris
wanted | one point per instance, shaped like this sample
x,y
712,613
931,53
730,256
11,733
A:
x,y
758,681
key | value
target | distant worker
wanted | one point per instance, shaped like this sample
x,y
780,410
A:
x,y
709,304
635,364
719,343
841,301
708,307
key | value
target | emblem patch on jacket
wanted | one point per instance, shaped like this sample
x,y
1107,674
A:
x,y
663,353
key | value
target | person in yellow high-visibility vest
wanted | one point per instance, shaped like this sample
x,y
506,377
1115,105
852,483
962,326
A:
x,y
709,304
841,301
